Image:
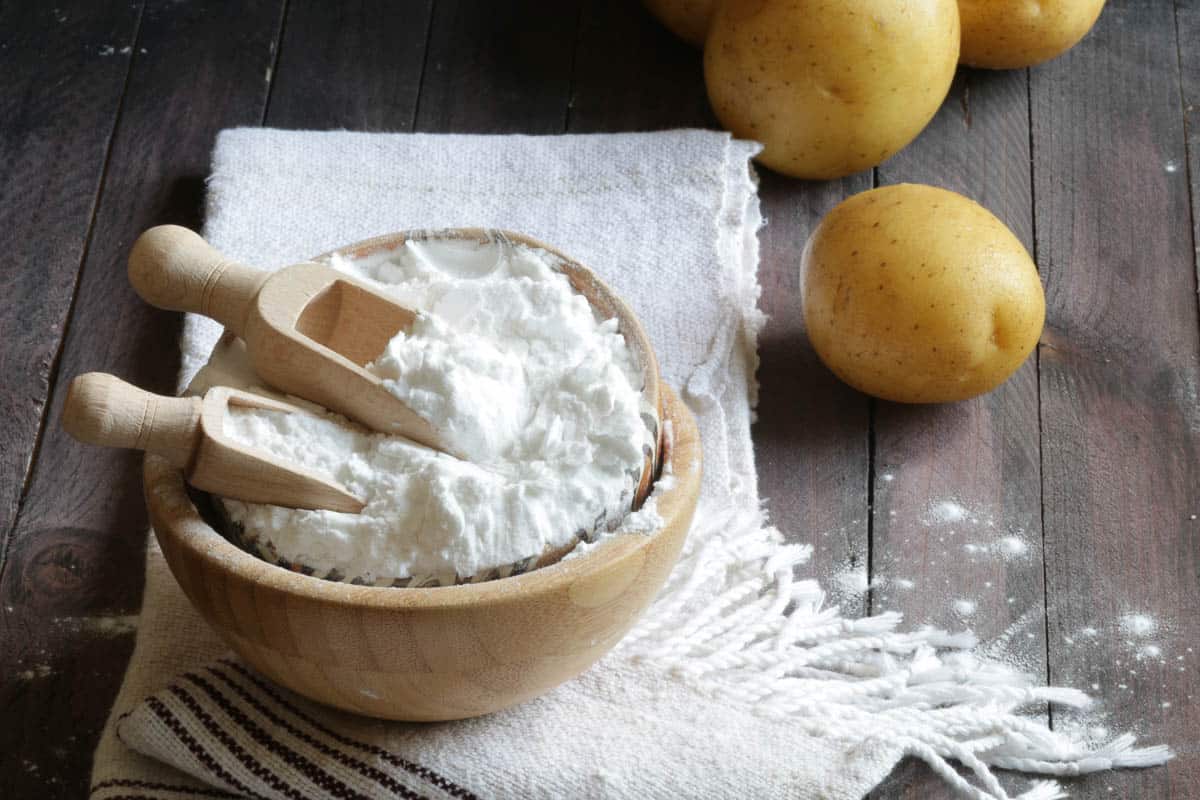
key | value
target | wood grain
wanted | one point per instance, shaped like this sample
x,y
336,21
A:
x,y
498,67
657,83
979,458
354,65
74,572
1120,419
1187,22
812,436
64,71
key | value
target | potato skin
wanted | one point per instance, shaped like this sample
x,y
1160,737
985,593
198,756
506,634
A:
x,y
916,294
830,87
1013,34
687,19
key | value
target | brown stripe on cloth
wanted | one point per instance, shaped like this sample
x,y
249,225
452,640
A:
x,y
206,759
430,775
373,774
154,786
233,747
321,778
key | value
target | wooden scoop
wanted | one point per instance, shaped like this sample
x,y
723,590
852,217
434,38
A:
x,y
189,433
309,329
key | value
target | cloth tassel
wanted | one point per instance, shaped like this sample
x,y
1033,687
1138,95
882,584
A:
x,y
770,641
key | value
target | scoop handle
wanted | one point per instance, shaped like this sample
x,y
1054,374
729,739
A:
x,y
172,267
103,409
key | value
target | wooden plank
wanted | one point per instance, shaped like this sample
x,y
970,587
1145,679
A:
x,y
498,67
956,534
64,71
317,86
1187,23
657,83
1120,419
811,440
73,577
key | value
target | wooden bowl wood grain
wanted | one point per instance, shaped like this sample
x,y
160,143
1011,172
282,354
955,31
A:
x,y
434,653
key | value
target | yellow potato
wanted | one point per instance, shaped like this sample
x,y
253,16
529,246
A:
x,y
687,19
1012,34
830,87
919,295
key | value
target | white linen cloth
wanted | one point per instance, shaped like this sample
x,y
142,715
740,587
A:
x,y
737,682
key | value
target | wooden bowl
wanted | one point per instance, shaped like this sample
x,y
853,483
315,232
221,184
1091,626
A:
x,y
430,653
440,652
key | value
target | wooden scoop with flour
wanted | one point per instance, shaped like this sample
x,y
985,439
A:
x,y
309,329
189,433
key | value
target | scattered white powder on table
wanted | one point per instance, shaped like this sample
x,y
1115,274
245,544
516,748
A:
x,y
1150,651
1138,624
1124,654
1012,546
947,511
964,607
853,581
522,377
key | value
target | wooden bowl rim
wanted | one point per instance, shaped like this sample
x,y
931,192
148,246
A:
x,y
176,518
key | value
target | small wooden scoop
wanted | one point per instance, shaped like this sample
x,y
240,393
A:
x,y
189,433
309,329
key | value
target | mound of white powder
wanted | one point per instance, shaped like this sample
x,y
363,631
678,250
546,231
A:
x,y
540,395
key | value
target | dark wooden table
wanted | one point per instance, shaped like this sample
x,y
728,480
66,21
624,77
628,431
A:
x,y
1090,454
